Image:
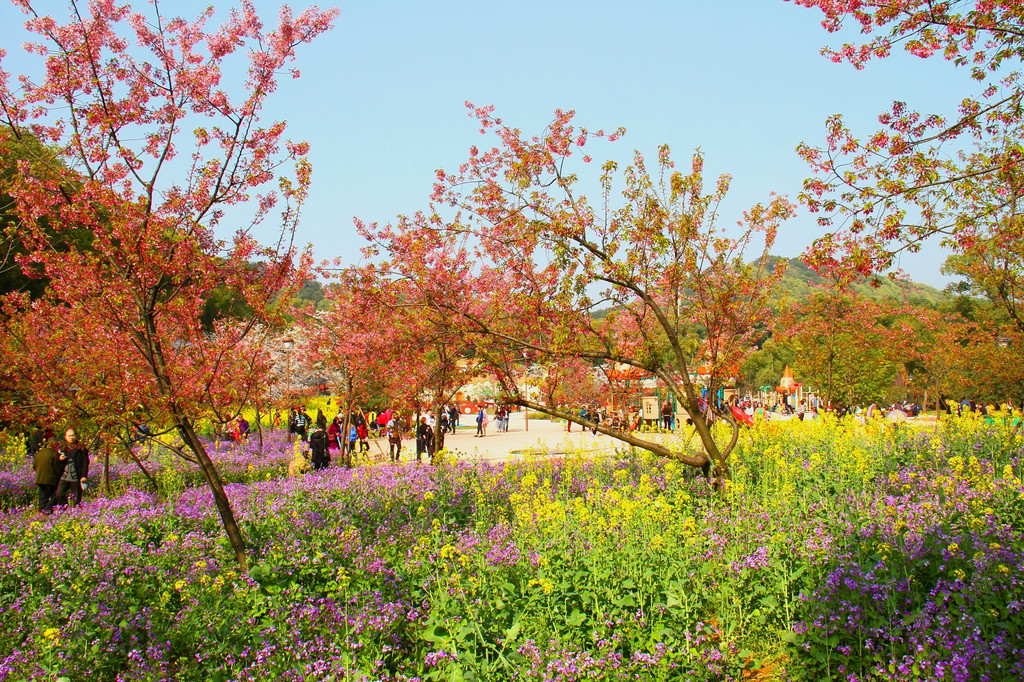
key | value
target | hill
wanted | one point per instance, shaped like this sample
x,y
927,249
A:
x,y
800,281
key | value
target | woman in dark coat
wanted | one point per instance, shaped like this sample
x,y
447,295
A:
x,y
44,461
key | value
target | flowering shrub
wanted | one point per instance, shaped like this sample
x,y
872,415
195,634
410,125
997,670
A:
x,y
839,552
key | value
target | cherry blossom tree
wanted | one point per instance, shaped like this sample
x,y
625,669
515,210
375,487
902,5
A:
x,y
382,334
157,162
953,178
545,258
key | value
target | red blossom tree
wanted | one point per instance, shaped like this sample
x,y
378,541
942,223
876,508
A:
x,y
153,151
545,258
381,330
955,178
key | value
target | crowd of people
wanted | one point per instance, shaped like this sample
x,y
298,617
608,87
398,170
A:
x,y
348,436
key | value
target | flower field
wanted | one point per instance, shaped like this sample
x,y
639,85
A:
x,y
839,552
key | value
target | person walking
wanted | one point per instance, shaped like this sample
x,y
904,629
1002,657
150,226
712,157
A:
x,y
45,463
302,424
292,414
480,422
394,435
318,443
666,415
334,434
424,437
364,437
353,435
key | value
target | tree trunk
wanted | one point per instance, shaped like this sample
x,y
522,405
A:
x,y
437,429
106,471
717,457
213,480
624,436
259,425
138,463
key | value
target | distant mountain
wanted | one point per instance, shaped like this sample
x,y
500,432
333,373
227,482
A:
x,y
800,281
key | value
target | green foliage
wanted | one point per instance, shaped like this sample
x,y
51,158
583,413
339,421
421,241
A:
x,y
12,276
224,302
765,366
800,281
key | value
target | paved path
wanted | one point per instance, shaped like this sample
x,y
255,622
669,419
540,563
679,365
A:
x,y
498,447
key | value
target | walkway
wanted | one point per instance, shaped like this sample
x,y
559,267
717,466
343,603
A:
x,y
498,447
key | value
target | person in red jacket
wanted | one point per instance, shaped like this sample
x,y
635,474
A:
x,y
334,434
364,436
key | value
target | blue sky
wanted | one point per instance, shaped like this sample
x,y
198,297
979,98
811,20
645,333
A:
x,y
381,96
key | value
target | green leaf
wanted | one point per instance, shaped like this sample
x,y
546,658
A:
x,y
438,633
625,602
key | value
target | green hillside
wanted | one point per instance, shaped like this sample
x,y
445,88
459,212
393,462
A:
x,y
800,281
